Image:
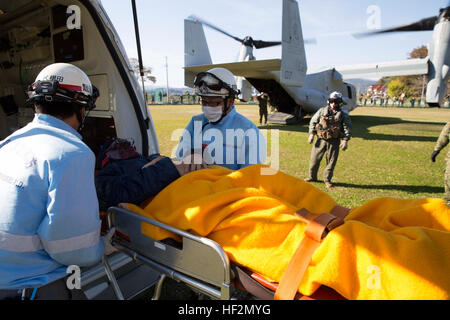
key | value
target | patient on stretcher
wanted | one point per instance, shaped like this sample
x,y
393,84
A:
x,y
127,176
386,249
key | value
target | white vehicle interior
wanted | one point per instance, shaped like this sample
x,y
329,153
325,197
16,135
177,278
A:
x,y
34,34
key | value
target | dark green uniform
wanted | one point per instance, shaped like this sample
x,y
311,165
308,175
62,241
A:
x,y
262,99
330,127
440,144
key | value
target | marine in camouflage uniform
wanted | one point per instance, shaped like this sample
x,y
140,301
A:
x,y
443,140
263,99
333,129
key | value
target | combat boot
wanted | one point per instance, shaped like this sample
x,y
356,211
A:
x,y
329,185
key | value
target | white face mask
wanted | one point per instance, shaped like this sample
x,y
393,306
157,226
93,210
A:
x,y
213,114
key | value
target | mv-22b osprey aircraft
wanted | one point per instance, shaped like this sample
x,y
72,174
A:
x,y
293,91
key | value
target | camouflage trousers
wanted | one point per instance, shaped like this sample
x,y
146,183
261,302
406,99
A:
x,y
447,183
262,114
321,147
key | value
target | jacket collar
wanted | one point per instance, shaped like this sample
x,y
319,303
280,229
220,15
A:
x,y
51,121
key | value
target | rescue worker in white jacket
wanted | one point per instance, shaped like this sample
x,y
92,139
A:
x,y
220,134
49,216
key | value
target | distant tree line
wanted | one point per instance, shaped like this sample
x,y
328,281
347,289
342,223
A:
x,y
411,86
400,90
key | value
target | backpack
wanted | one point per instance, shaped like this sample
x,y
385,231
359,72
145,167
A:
x,y
329,126
115,149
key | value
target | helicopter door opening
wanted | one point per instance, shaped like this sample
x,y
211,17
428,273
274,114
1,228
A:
x,y
349,92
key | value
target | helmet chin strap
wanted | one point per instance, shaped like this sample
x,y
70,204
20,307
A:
x,y
81,120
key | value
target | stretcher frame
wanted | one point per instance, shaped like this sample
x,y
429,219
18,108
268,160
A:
x,y
200,262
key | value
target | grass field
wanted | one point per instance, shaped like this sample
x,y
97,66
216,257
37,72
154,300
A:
x,y
388,156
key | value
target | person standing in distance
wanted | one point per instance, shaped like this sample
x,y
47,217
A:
x,y
262,100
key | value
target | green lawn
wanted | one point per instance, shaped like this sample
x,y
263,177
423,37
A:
x,y
389,154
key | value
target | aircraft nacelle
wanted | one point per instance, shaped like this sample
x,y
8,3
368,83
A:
x,y
245,88
436,65
246,54
438,72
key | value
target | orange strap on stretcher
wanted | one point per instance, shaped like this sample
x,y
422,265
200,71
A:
x,y
317,227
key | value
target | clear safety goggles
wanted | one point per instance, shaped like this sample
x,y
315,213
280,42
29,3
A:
x,y
208,84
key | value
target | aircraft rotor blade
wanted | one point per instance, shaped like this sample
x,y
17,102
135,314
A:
x,y
259,44
426,24
194,18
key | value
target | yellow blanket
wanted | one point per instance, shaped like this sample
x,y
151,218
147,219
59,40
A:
x,y
387,248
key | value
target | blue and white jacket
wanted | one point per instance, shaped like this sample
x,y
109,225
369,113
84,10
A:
x,y
49,215
235,142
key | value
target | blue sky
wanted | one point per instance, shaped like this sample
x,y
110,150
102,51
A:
x,y
329,21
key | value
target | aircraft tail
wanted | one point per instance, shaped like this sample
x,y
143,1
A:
x,y
293,57
293,61
196,50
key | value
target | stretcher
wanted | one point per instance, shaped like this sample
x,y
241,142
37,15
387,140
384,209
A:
x,y
198,262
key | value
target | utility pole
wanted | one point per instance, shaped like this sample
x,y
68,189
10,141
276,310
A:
x,y
423,83
423,88
167,79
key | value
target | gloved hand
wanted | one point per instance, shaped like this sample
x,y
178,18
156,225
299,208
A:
x,y
191,163
344,145
310,138
434,155
107,241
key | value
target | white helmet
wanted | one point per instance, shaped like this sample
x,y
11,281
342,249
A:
x,y
336,96
216,82
63,83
